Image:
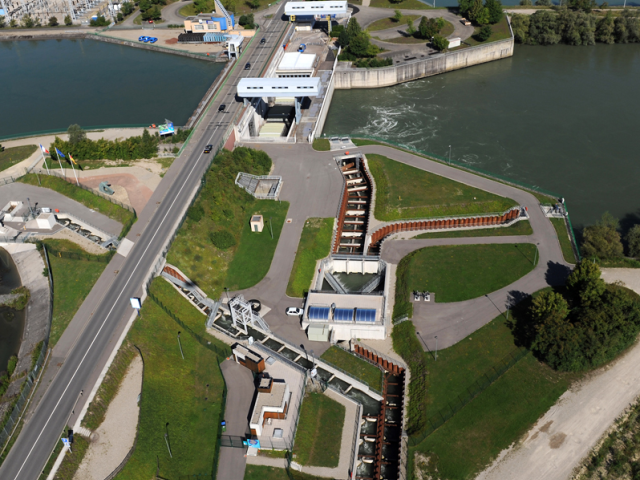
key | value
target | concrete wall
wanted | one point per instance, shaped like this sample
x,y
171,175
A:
x,y
441,63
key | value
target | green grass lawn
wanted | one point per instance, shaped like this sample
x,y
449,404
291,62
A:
x,y
175,391
523,227
391,22
405,192
138,21
69,291
321,144
446,31
223,206
315,243
462,272
319,431
357,367
500,32
403,5
565,241
14,155
72,460
260,472
84,197
238,7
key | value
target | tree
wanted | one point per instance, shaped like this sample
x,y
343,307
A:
x,y
13,23
627,27
397,16
543,3
254,4
605,29
439,42
27,21
474,9
495,10
483,17
525,3
2,22
127,8
359,45
520,26
153,13
53,22
76,134
633,239
602,240
543,29
343,39
584,5
464,7
67,21
353,28
410,28
120,17
584,285
484,33
428,28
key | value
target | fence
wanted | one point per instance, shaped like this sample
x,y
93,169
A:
x,y
485,173
471,392
16,413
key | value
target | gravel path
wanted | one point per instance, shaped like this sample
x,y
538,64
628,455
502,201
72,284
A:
x,y
111,442
568,431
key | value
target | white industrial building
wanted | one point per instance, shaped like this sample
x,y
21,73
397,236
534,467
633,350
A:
x,y
296,65
315,8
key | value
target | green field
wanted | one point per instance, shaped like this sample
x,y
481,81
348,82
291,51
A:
x,y
180,397
523,227
565,241
500,32
403,5
321,144
315,243
88,199
69,291
224,207
355,366
391,22
238,7
462,272
14,155
260,472
319,431
405,192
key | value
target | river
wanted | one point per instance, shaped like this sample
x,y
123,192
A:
x,y
50,84
560,118
11,321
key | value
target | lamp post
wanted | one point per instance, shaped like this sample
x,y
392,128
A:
x,y
180,345
436,337
449,154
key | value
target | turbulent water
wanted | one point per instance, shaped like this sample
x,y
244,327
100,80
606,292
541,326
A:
x,y
50,84
560,118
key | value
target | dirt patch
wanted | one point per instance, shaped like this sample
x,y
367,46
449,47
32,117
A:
x,y
557,440
545,428
171,41
535,435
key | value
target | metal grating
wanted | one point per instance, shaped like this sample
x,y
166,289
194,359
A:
x,y
318,313
343,314
366,315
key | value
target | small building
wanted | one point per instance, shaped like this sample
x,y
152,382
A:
x,y
46,221
272,402
296,64
257,223
454,42
248,358
208,23
234,45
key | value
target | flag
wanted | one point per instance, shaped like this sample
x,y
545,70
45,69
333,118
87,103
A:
x,y
44,150
60,154
71,158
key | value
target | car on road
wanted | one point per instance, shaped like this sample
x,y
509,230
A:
x,y
222,107
263,41
295,311
208,148
153,40
247,66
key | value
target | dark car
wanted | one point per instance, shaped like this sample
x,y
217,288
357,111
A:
x,y
247,66
263,41
208,148
222,107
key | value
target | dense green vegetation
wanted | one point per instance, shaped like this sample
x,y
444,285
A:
x,y
69,291
357,47
576,27
319,433
84,197
405,192
523,227
391,22
222,206
239,7
355,366
5,375
260,472
72,460
602,240
20,302
616,457
13,155
315,243
488,13
583,326
499,31
182,398
565,241
460,272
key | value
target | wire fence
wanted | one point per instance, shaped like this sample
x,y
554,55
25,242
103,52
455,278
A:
x,y
485,173
479,386
16,412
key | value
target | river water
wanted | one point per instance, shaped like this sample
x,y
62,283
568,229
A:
x,y
11,321
560,118
50,84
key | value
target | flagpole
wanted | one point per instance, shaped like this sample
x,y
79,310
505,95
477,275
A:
x,y
74,170
63,174
44,160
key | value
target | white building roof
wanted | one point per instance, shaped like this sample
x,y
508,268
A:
x,y
235,40
279,87
297,61
315,8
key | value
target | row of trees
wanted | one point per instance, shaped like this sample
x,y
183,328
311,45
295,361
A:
x,y
603,240
28,21
584,5
576,27
151,9
488,13
584,325
356,43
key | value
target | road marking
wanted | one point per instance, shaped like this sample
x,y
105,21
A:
x,y
111,310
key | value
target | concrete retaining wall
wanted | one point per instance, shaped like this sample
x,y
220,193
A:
x,y
441,63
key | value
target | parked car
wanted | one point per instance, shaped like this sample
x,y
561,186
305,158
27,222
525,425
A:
x,y
247,66
143,39
295,311
208,148
222,107
153,40
263,41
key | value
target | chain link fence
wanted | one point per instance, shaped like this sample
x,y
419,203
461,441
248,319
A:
x,y
16,413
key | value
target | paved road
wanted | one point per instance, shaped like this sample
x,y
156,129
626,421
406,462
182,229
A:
x,y
240,390
96,336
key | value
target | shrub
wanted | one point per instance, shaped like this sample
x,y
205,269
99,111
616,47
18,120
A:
x,y
101,21
11,365
440,43
484,33
132,148
53,22
195,213
602,240
222,239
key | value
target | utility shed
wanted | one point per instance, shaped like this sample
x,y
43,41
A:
x,y
257,223
318,333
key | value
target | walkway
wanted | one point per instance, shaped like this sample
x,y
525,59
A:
x,y
565,435
240,390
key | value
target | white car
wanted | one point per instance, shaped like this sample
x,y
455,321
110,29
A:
x,y
295,311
